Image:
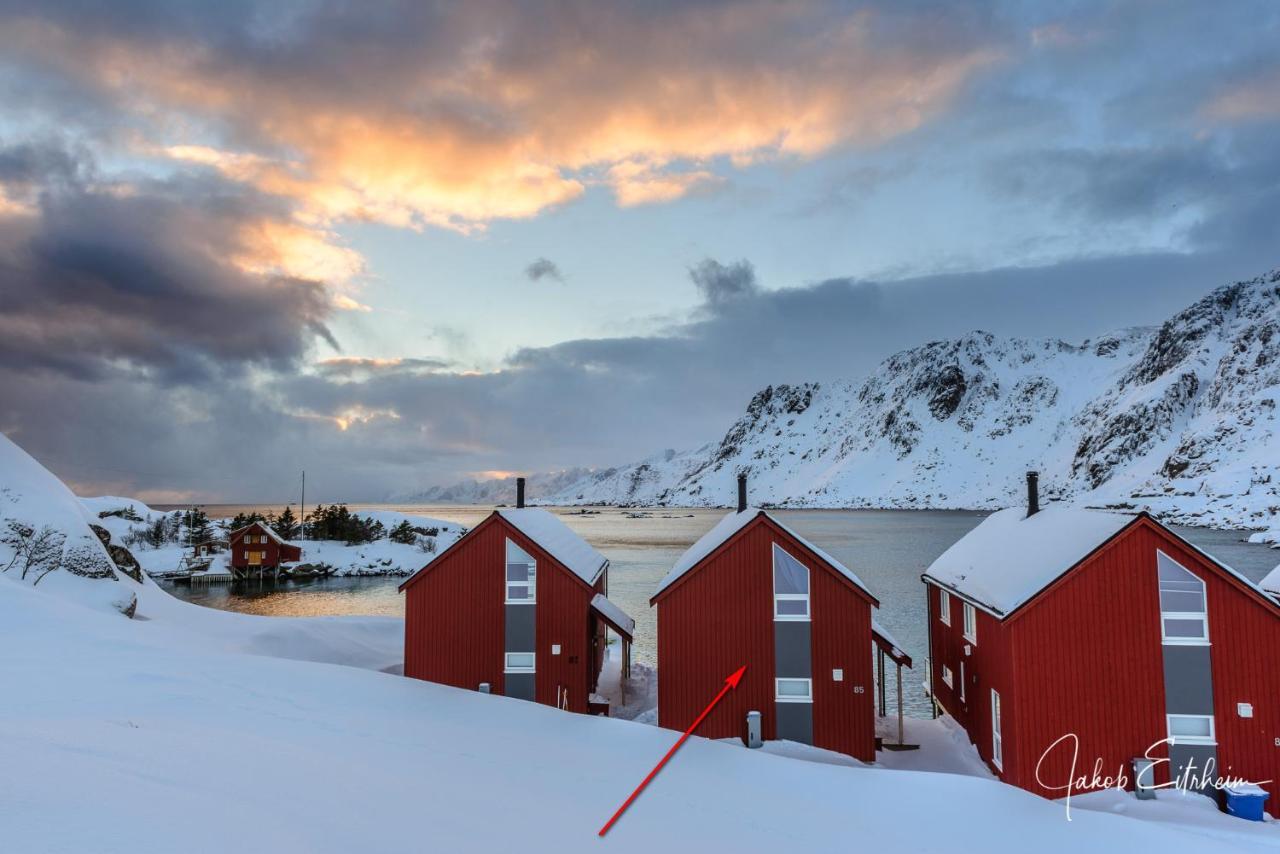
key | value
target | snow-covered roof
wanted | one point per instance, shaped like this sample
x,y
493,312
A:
x,y
1011,557
896,652
725,529
266,529
615,615
1271,584
555,537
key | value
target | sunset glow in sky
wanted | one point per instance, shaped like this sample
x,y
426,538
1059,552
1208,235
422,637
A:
x,y
401,243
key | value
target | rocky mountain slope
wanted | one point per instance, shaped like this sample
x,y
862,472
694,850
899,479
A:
x,y
1179,419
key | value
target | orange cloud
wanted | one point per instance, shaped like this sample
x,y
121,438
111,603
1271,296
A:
x,y
1258,98
500,114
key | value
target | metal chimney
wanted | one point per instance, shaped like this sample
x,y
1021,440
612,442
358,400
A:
x,y
742,492
1033,493
519,492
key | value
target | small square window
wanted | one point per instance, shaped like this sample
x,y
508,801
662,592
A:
x,y
519,662
1191,729
793,690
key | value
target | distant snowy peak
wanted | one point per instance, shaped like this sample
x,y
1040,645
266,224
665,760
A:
x,y
1179,419
493,491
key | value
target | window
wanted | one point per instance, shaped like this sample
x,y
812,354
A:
x,y
944,607
1183,617
1191,729
518,662
790,587
997,739
521,576
962,682
970,623
946,677
793,690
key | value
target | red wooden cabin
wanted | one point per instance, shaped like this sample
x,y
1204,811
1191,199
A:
x,y
1112,628
256,547
753,592
516,605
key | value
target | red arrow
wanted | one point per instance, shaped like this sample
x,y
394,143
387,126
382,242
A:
x,y
731,682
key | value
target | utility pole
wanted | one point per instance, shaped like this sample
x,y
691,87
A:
x,y
303,504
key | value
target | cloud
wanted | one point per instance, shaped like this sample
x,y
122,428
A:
x,y
1253,98
163,278
453,116
543,268
720,285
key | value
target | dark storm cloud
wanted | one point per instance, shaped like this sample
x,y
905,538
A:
x,y
720,285
99,278
543,268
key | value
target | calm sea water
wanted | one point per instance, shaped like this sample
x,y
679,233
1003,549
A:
x,y
887,549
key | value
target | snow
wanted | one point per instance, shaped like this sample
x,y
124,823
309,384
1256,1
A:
x,y
151,728
1175,419
197,730
261,527
1271,584
1010,557
724,530
614,614
878,628
555,537
77,564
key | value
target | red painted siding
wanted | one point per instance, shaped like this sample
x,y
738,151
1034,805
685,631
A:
x,y
454,619
1088,660
720,617
987,666
275,553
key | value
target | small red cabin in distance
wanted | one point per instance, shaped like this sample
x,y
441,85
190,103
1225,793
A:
x,y
1104,635
751,591
518,605
256,546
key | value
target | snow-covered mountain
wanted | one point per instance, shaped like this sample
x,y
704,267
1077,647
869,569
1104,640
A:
x,y
1179,419
48,539
493,491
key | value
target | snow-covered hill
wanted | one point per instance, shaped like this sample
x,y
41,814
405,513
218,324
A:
x,y
1179,419
500,490
46,538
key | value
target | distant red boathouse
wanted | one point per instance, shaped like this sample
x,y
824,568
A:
x,y
517,607
1056,625
752,591
256,549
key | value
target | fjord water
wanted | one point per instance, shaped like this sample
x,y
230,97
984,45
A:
x,y
888,549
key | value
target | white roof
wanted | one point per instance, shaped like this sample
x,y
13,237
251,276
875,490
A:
x,y
879,629
615,615
725,529
1011,557
267,529
1271,584
556,539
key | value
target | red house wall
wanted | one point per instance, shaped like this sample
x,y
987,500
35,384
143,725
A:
x,y
720,617
275,553
1087,659
453,621
454,618
989,665
1090,662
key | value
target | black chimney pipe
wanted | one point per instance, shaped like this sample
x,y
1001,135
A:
x,y
519,492
742,492
1033,493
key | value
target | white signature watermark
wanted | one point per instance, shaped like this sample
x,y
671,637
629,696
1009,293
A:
x,y
1190,779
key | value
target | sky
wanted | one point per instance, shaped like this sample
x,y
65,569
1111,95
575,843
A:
x,y
405,244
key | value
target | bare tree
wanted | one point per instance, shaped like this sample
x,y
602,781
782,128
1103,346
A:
x,y
38,552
